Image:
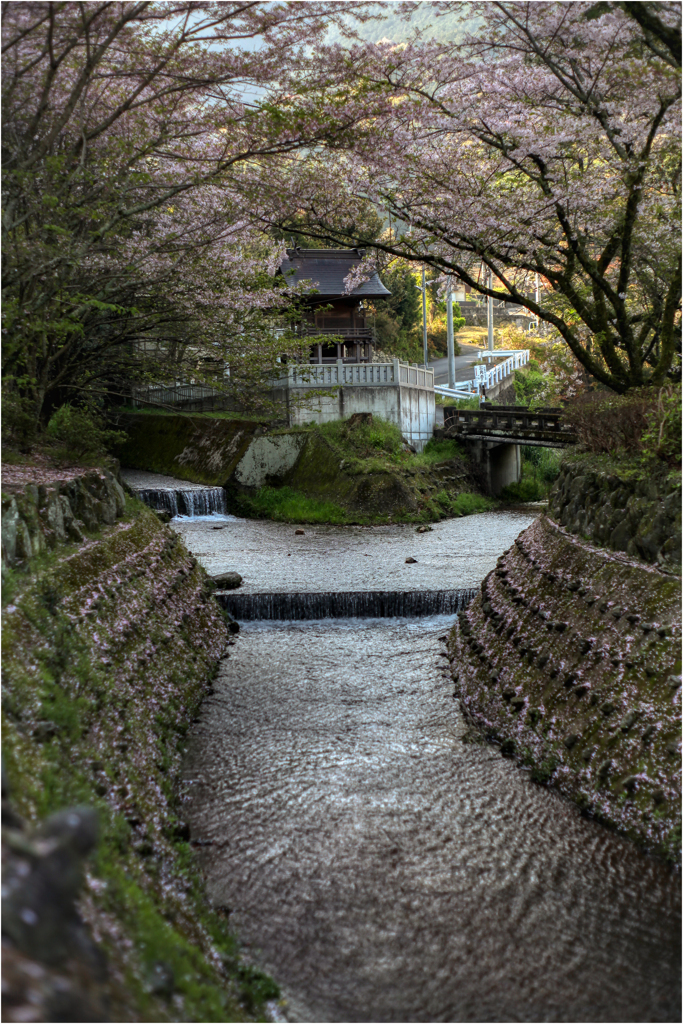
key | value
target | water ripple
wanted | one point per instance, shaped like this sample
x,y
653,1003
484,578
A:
x,y
384,870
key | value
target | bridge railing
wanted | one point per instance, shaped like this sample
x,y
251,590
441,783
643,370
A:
x,y
178,394
490,376
505,421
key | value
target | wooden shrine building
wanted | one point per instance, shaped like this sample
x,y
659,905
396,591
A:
x,y
329,311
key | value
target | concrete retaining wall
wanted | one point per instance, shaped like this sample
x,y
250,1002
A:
x,y
412,409
200,449
268,459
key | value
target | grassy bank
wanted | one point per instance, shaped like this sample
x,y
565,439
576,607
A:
x,y
108,649
363,472
284,504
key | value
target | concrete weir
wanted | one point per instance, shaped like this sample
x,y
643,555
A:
x,y
369,604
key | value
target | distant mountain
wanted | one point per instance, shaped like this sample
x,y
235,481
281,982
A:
x,y
448,27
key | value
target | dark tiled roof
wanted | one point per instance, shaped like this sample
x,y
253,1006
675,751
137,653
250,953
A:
x,y
326,269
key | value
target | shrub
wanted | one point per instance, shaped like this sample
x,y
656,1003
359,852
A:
x,y
289,506
530,384
19,422
80,434
642,422
544,463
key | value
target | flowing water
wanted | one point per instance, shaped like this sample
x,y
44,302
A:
x,y
180,498
377,862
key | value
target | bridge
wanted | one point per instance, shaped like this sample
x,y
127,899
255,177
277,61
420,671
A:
x,y
510,424
495,433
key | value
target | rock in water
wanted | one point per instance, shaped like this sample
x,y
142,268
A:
x,y
227,580
299,533
411,561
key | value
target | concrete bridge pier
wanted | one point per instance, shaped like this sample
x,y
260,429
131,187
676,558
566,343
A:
x,y
502,464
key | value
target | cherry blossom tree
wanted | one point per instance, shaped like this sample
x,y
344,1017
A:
x,y
130,130
545,143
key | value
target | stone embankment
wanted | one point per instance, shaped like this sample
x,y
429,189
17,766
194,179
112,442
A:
x,y
110,643
569,656
55,508
640,515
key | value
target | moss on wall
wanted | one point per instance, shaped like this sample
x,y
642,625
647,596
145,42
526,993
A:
x,y
624,505
108,649
570,657
202,449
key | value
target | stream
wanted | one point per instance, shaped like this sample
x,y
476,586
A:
x,y
378,861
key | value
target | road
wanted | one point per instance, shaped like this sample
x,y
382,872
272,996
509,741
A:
x,y
464,369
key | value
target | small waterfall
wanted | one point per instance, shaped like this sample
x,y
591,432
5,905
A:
x,y
370,604
200,501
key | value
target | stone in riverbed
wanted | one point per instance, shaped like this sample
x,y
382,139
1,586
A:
x,y
227,580
299,533
411,561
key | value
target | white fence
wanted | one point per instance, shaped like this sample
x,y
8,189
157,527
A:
x,y
490,377
487,377
340,374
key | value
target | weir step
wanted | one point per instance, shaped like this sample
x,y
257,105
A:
x,y
369,604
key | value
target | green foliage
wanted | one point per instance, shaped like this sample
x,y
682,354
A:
x,y
397,319
529,384
363,439
438,450
523,490
543,463
289,506
464,504
661,438
19,423
458,403
79,433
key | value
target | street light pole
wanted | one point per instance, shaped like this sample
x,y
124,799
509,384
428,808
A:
x,y
449,335
537,296
424,317
489,318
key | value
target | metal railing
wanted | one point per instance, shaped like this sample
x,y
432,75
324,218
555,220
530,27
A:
x,y
484,377
174,394
490,377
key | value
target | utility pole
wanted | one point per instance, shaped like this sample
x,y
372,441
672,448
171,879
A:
x,y
489,318
424,317
449,335
537,296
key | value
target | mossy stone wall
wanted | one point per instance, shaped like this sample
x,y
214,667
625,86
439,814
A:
x,y
202,449
631,511
570,657
108,648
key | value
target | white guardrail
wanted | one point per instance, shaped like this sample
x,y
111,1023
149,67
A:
x,y
485,378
